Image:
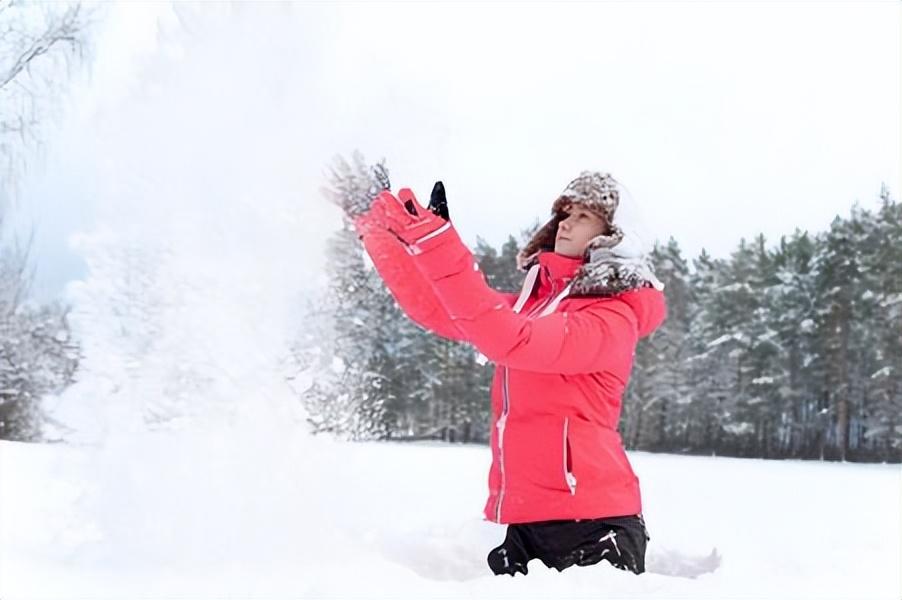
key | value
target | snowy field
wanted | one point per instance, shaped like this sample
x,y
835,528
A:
x,y
220,515
187,312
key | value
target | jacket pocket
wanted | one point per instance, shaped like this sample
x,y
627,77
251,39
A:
x,y
569,478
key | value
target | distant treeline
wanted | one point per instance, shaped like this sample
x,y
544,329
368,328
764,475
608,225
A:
x,y
786,351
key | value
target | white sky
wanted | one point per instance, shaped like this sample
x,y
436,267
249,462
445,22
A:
x,y
723,119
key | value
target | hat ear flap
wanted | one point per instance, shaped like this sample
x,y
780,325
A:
x,y
606,240
542,240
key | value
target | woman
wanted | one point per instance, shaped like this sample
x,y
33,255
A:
x,y
563,348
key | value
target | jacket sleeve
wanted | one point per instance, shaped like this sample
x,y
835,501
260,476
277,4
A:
x,y
599,337
412,291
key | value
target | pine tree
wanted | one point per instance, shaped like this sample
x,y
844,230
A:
x,y
838,278
509,278
793,302
655,415
882,415
708,364
765,360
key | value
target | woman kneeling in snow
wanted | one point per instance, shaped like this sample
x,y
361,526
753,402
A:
x,y
564,350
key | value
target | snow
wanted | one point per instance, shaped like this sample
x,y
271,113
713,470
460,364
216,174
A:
x,y
892,299
186,316
238,514
884,372
724,339
740,428
768,335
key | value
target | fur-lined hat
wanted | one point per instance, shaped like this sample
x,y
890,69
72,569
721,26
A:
x,y
615,259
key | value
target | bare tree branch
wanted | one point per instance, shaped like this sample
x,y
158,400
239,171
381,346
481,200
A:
x,y
38,44
64,30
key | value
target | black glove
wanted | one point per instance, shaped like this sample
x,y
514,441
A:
x,y
438,203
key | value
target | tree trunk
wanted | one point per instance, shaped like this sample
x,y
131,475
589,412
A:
x,y
842,397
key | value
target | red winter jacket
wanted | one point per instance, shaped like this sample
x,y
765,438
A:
x,y
562,367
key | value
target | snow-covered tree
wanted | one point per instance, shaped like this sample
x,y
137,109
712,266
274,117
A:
x,y
39,43
878,422
37,355
347,393
655,413
793,302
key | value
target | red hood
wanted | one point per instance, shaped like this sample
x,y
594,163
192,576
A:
x,y
650,308
648,304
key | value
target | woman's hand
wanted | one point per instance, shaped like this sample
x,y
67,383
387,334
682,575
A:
x,y
406,218
403,216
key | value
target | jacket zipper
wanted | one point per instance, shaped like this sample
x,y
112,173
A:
x,y
568,476
501,423
505,409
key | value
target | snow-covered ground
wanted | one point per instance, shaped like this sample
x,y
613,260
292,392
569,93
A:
x,y
218,514
202,169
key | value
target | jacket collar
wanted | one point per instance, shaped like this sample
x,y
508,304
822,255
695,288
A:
x,y
557,270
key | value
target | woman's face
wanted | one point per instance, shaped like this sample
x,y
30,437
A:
x,y
575,231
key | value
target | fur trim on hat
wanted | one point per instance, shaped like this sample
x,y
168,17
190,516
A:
x,y
613,263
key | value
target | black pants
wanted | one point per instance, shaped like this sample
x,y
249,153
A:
x,y
561,544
